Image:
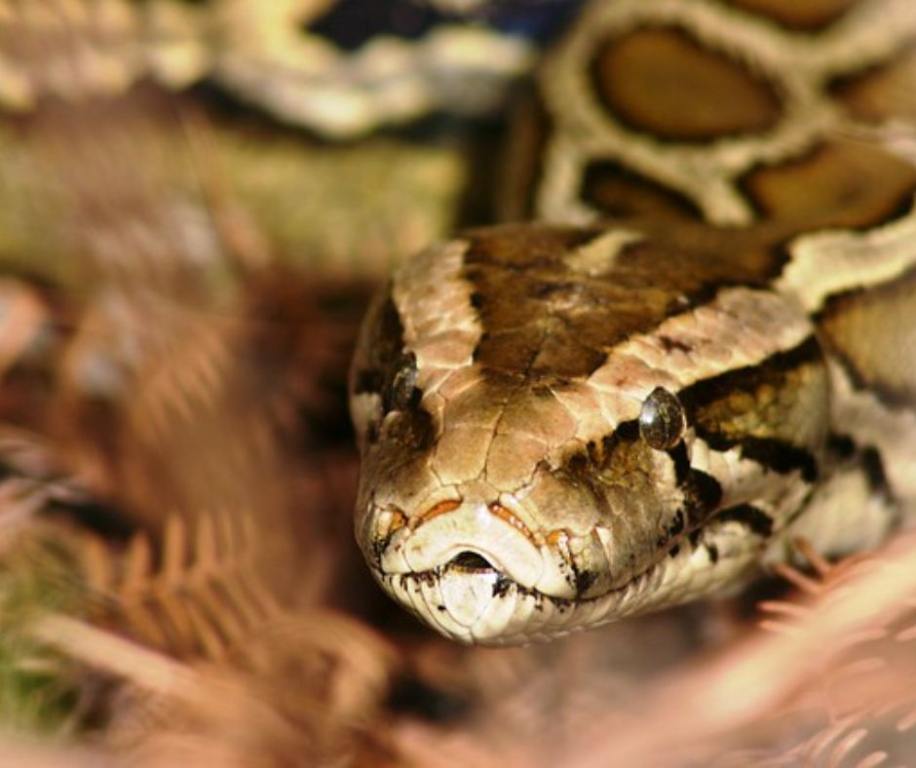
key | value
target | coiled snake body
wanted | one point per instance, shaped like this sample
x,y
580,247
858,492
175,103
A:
x,y
705,347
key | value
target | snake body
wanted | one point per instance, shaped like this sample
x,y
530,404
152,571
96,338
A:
x,y
703,347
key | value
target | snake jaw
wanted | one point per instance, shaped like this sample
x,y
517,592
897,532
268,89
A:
x,y
476,603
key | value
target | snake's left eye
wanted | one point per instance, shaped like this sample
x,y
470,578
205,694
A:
x,y
403,393
661,420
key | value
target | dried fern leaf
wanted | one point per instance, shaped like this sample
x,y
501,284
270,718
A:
x,y
204,597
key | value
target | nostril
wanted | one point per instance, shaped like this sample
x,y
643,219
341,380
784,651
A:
x,y
471,561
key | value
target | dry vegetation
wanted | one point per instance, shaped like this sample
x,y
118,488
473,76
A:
x,y
178,581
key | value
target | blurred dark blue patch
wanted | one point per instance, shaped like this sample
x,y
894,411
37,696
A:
x,y
351,23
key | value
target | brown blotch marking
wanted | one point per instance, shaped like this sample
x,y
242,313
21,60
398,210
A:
x,y
872,332
873,467
674,529
413,431
746,407
615,190
385,346
442,508
803,15
702,494
660,81
619,459
844,183
880,93
754,518
506,515
672,345
584,473
545,323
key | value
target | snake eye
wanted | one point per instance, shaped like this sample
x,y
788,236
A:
x,y
661,420
403,393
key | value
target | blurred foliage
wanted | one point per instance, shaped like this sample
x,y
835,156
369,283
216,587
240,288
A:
x,y
40,689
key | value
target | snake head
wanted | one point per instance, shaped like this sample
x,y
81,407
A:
x,y
556,432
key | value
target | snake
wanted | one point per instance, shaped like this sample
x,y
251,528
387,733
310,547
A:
x,y
689,342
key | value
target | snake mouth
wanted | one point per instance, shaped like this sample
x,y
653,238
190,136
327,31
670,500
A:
x,y
471,562
471,600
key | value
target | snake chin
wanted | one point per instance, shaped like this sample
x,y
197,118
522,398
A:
x,y
470,600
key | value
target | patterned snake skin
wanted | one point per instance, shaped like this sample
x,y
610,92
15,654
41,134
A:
x,y
701,345
708,349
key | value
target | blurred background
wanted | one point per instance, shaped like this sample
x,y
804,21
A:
x,y
197,198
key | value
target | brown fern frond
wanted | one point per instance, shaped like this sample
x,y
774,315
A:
x,y
315,701
864,685
201,594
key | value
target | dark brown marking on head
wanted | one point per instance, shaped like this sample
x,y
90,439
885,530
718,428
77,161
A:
x,y
677,525
841,447
681,461
754,518
385,347
661,82
702,492
544,322
523,247
843,450
849,183
778,455
475,355
733,409
702,495
368,381
617,191
616,461
672,345
386,368
746,379
802,15
873,467
413,431
674,529
582,472
627,432
870,332
713,553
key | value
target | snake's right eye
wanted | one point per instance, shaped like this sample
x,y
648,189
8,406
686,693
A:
x,y
403,393
661,420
